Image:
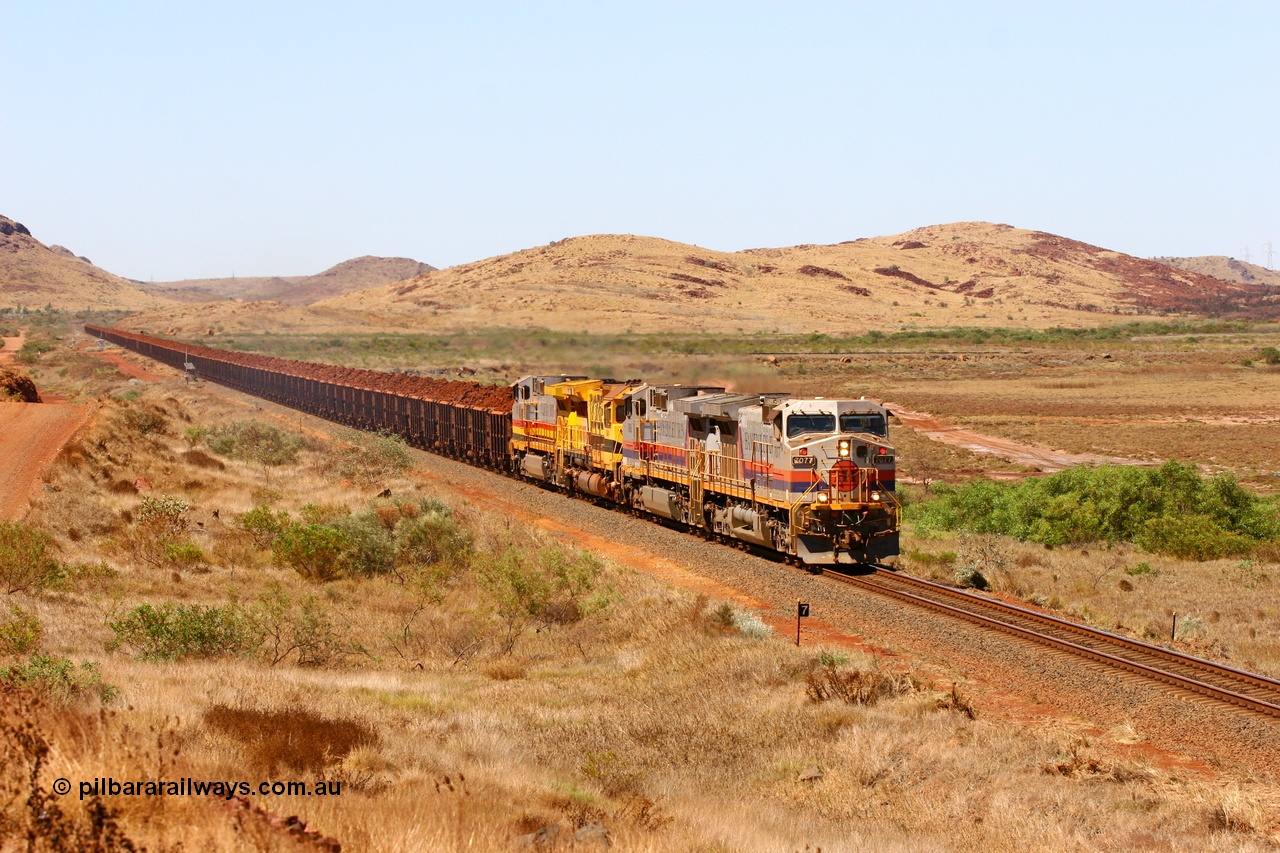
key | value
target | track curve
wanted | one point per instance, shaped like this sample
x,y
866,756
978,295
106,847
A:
x,y
1240,689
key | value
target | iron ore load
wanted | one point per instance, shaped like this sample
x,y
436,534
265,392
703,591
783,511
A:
x,y
809,478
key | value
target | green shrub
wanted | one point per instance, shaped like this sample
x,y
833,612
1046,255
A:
x,y
263,525
1171,509
314,551
144,420
323,513
302,628
172,631
370,457
32,350
431,538
549,587
369,548
1270,355
20,632
26,558
58,678
254,441
163,516
184,555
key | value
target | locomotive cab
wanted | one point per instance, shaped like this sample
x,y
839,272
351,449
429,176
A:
x,y
842,475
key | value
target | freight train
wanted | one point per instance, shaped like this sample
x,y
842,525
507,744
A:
x,y
809,478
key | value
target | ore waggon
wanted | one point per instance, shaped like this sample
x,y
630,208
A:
x,y
810,478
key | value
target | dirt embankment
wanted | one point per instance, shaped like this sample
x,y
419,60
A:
x,y
15,385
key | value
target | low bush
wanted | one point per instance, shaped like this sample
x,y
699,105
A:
x,y
542,588
314,551
370,457
1171,510
58,678
32,350
263,525
144,420
26,558
183,555
323,513
432,537
254,441
369,549
302,628
20,632
172,631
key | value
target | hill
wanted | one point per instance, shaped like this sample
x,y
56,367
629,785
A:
x,y
1227,269
33,275
969,273
356,274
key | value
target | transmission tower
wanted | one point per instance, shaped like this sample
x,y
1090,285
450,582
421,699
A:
x,y
1270,254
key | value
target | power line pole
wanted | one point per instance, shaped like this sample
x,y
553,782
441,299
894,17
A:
x,y
1270,254
1246,254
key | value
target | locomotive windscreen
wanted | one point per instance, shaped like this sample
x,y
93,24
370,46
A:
x,y
872,422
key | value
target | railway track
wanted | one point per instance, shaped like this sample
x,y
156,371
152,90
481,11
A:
x,y
1242,690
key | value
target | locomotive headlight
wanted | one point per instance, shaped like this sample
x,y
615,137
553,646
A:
x,y
842,447
824,498
875,496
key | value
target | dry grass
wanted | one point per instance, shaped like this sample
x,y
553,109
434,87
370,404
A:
x,y
653,716
1226,608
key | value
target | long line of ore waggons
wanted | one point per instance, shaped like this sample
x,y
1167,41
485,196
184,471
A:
x,y
811,479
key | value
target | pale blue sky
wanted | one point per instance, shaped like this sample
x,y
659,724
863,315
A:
x,y
179,140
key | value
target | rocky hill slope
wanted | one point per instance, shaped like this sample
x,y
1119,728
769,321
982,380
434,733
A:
x,y
970,273
356,274
1227,269
33,275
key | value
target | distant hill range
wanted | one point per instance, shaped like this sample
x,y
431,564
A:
x,y
1227,269
33,275
355,274
962,274
974,274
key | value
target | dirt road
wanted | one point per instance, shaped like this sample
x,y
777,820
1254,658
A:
x,y
975,442
31,434
8,346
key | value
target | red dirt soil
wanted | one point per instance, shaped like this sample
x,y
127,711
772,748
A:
x,y
128,368
1023,454
31,434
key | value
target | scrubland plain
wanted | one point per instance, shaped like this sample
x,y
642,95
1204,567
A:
x,y
473,682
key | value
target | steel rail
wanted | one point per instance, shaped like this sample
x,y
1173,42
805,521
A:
x,y
1195,685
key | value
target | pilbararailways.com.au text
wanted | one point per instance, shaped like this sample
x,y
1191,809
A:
x,y
188,787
